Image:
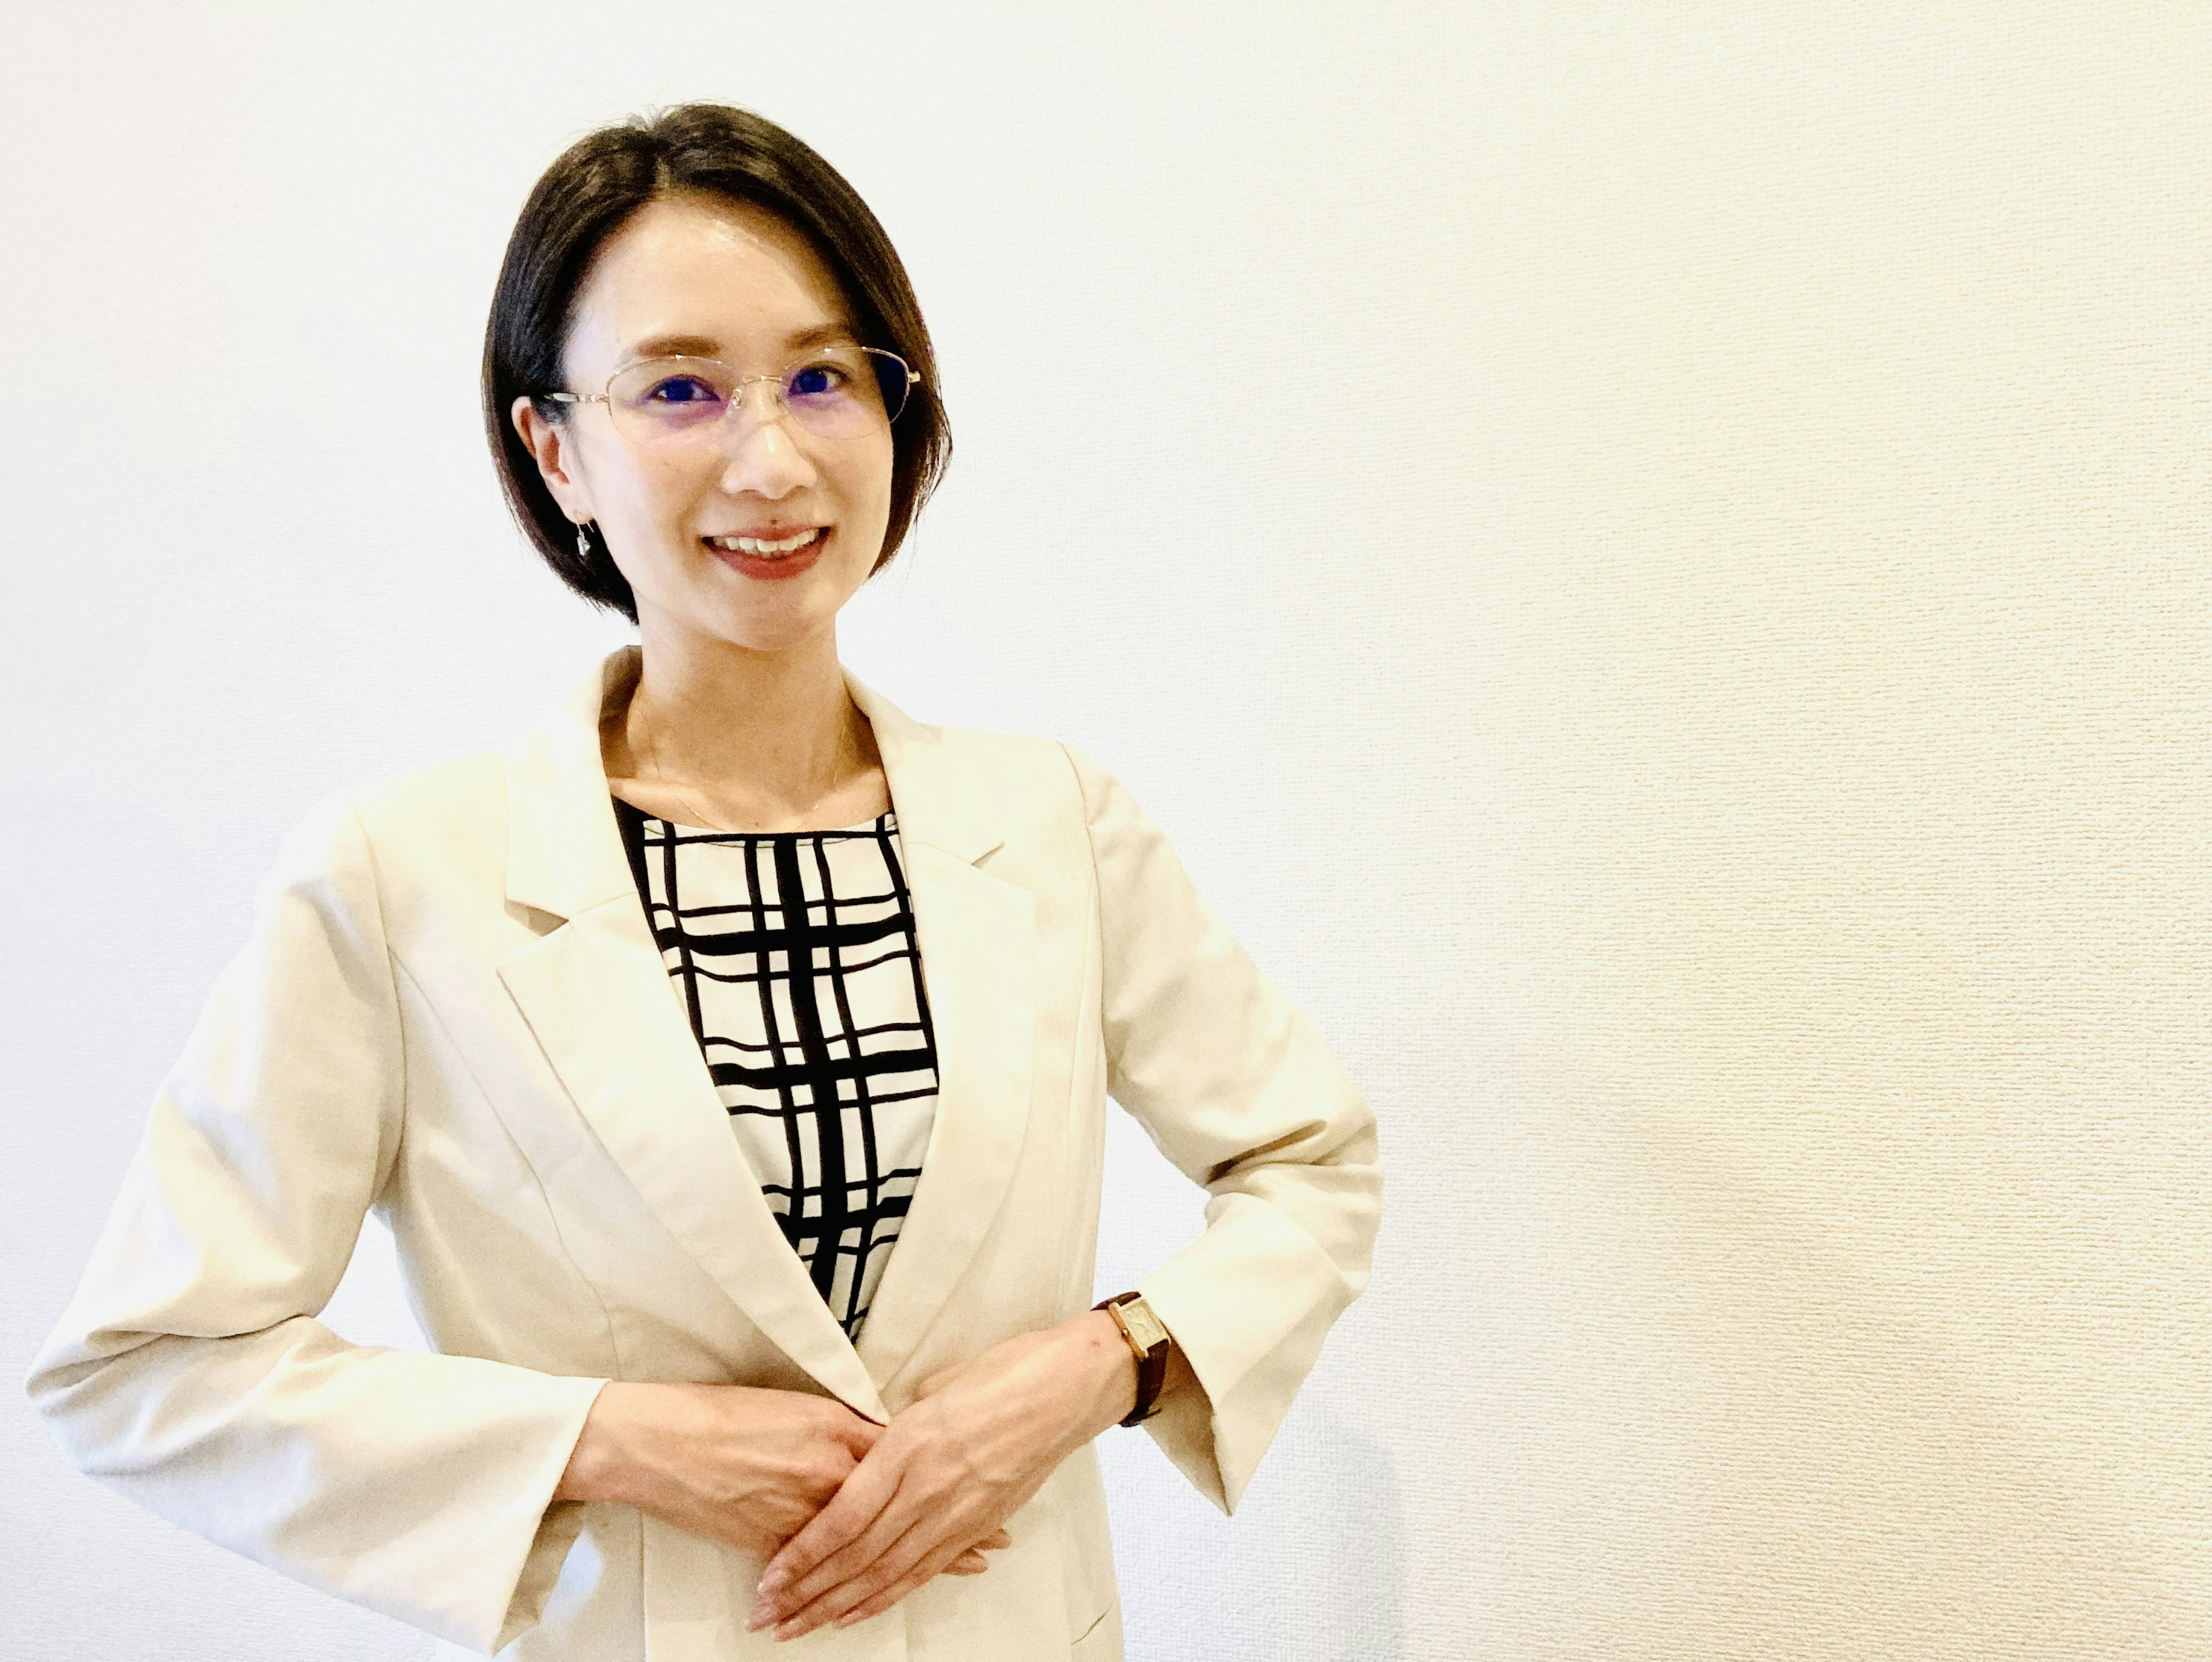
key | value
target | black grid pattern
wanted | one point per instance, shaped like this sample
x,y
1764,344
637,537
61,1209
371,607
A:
x,y
812,1019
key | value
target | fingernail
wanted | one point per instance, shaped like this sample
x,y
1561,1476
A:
x,y
790,1629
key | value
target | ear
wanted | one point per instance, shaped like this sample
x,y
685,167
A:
x,y
551,443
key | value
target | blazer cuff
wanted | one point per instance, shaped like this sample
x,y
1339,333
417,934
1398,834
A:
x,y
1249,1303
558,1526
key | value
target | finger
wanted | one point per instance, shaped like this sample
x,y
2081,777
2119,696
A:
x,y
811,1617
878,1603
873,1551
922,1541
837,1528
839,1581
973,1556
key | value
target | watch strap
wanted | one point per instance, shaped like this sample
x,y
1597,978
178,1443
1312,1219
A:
x,y
1149,1341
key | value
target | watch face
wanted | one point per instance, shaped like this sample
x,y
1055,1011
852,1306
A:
x,y
1143,1326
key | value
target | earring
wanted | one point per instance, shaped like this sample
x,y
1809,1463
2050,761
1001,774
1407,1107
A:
x,y
583,540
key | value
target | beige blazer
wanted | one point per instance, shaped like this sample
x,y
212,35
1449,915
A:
x,y
451,1012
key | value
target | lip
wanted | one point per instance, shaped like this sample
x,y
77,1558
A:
x,y
775,532
776,567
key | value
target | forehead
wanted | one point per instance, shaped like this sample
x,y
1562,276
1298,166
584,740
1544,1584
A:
x,y
717,273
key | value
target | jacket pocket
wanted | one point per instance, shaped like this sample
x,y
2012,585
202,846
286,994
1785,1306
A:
x,y
1101,1641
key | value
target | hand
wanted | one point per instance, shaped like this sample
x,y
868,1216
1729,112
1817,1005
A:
x,y
745,1467
976,1443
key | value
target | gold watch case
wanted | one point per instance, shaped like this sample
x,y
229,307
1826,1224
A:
x,y
1139,1325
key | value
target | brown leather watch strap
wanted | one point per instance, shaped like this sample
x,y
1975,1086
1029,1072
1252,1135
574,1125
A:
x,y
1149,1340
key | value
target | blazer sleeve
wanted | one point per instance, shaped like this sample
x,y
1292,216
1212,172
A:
x,y
1237,1089
189,1373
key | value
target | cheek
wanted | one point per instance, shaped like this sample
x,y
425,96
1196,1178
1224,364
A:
x,y
643,508
665,488
871,482
855,484
618,470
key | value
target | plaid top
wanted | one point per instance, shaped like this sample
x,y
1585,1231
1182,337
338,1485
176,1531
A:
x,y
794,954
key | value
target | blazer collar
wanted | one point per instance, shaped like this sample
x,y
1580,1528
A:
x,y
564,849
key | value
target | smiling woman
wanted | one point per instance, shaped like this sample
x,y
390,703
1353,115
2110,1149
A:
x,y
698,491
832,266
728,1057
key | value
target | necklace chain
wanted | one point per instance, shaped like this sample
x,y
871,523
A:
x,y
653,759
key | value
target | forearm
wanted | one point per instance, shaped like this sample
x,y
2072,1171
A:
x,y
976,1443
613,1449
739,1464
1100,1370
677,1449
424,1465
639,1440
1108,1355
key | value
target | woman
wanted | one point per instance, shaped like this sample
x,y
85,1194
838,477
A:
x,y
797,1344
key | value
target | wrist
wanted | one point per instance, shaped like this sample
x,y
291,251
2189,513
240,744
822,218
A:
x,y
601,1459
1110,1369
1150,1344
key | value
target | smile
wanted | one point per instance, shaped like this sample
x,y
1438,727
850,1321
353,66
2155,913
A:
x,y
758,546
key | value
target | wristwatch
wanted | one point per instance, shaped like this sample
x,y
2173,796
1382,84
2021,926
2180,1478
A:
x,y
1150,1340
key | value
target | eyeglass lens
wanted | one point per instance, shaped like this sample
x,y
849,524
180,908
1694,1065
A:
x,y
838,393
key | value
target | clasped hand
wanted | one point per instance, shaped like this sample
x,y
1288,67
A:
x,y
853,1516
937,1482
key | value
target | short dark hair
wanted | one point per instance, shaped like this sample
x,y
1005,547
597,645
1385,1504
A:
x,y
586,195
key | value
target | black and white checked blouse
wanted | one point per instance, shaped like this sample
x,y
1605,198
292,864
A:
x,y
812,1016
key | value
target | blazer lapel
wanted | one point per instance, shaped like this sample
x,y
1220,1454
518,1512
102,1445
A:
x,y
596,995
977,938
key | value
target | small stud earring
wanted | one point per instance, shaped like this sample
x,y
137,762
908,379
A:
x,y
583,540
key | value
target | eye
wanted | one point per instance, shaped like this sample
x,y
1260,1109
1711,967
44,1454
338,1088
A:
x,y
680,389
817,380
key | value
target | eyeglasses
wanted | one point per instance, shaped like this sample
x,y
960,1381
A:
x,y
834,392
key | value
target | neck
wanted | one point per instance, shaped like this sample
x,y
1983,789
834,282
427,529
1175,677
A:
x,y
774,731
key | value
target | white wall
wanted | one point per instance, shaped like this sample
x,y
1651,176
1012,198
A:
x,y
1653,560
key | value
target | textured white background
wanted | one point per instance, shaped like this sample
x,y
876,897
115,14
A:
x,y
1653,560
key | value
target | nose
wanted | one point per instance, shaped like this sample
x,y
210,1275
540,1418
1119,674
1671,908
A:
x,y
761,452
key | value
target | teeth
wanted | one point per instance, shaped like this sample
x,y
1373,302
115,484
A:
x,y
755,545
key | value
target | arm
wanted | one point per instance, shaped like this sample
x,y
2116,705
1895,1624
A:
x,y
734,1463
1236,1088
976,1444
1238,1091
190,1372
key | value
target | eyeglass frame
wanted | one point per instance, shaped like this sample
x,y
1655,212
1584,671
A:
x,y
738,386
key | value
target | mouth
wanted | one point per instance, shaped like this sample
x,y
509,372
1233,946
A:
x,y
784,551
775,547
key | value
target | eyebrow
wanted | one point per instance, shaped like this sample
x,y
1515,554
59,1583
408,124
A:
x,y
706,346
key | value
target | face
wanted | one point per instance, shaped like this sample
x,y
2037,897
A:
x,y
705,277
